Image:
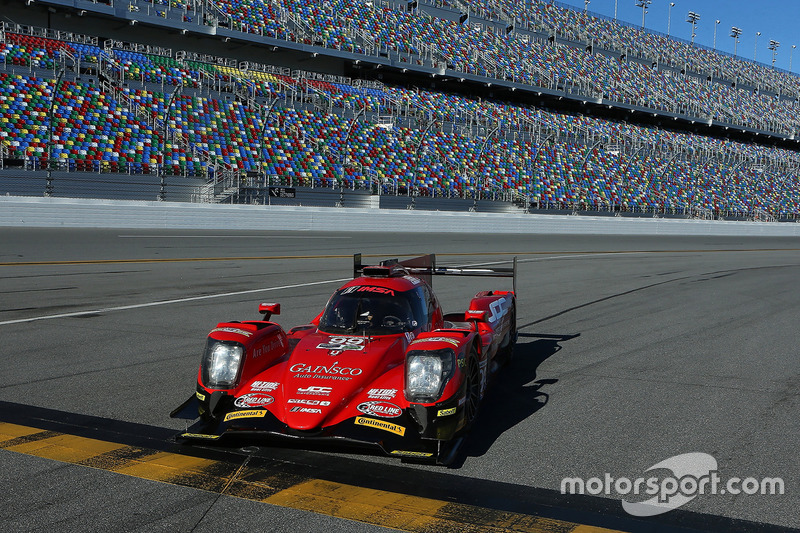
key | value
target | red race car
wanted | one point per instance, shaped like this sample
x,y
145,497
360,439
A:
x,y
380,365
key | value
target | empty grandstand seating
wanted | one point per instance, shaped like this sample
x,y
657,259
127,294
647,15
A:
x,y
308,130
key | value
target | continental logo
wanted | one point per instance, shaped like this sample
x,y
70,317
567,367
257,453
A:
x,y
245,414
380,424
409,453
200,397
199,436
446,412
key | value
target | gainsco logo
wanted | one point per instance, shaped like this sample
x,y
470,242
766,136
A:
x,y
255,399
332,370
381,409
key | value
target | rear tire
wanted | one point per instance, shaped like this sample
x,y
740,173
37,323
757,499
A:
x,y
506,353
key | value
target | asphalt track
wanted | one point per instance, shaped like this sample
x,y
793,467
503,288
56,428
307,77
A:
x,y
632,350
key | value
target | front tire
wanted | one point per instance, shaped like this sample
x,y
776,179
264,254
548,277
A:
x,y
473,393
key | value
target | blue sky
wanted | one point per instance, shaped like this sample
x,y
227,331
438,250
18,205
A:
x,y
775,19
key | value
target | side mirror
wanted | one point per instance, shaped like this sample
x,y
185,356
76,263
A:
x,y
269,309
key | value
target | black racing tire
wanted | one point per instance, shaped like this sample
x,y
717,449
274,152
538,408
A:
x,y
506,353
473,392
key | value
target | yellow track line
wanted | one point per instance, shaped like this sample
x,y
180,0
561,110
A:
x,y
378,507
448,254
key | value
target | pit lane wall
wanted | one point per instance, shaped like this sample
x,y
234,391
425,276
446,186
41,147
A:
x,y
62,212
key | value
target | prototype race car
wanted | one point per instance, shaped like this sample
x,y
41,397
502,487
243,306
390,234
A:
x,y
381,365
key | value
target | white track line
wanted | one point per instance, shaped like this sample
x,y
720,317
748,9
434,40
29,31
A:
x,y
324,237
264,289
551,257
167,302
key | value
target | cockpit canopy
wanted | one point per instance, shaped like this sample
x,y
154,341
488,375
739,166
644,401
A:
x,y
373,310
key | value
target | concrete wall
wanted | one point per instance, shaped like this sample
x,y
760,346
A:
x,y
63,212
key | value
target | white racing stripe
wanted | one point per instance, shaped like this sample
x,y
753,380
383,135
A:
x,y
168,302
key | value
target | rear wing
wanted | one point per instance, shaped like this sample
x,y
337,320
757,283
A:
x,y
424,268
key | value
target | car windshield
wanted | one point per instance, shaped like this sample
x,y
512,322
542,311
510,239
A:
x,y
369,310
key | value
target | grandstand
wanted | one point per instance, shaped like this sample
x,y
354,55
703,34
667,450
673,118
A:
x,y
534,104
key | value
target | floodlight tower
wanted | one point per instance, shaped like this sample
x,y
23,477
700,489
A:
x,y
669,17
773,47
791,53
692,19
735,33
643,4
755,48
716,23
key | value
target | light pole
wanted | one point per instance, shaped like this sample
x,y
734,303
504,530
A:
x,y
755,48
735,33
669,17
615,9
791,53
586,5
692,19
643,4
773,46
716,23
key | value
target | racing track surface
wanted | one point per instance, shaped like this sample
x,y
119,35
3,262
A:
x,y
632,350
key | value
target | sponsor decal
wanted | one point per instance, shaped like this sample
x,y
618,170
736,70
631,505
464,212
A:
x,y
199,436
498,309
437,339
381,394
369,288
446,412
234,330
462,401
315,391
254,399
304,401
261,350
410,453
264,385
200,397
412,279
305,410
333,371
380,408
245,414
380,424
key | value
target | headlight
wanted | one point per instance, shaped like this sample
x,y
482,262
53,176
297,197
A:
x,y
221,362
427,373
